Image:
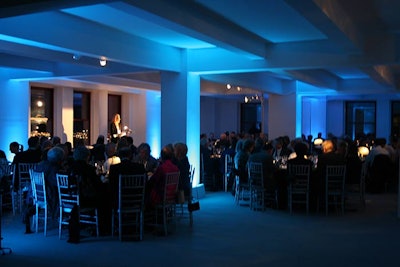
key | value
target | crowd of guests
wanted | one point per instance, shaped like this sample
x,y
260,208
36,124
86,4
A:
x,y
380,163
100,189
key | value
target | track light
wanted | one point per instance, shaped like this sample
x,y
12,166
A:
x,y
103,61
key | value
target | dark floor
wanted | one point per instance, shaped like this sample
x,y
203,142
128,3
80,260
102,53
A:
x,y
224,234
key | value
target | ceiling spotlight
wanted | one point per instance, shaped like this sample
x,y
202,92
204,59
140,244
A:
x,y
228,86
76,56
239,88
103,61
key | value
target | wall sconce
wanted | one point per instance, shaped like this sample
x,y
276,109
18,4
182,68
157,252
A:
x,y
103,61
39,103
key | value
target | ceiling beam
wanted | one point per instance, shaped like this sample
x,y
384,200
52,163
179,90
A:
x,y
12,8
197,21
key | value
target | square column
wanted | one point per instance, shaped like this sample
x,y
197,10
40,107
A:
x,y
180,114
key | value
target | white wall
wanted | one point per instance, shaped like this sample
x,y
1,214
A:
x,y
282,116
219,115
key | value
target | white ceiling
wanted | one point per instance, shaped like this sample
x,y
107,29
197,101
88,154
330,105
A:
x,y
341,46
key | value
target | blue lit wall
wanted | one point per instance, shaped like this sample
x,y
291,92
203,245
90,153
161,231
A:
x,y
153,110
14,115
193,124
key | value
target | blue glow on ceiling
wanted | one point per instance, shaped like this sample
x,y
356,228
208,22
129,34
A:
x,y
134,25
268,21
348,73
32,43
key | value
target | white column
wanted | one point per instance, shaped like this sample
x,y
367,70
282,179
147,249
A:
x,y
99,114
180,114
282,116
64,113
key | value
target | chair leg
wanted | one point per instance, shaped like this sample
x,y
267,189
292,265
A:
x,y
97,223
165,221
45,221
112,222
60,224
37,219
326,206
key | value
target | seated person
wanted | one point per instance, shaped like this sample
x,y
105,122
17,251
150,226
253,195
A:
x,y
181,160
144,157
301,150
155,185
241,158
112,158
126,166
328,157
90,191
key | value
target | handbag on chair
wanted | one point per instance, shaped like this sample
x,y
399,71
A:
x,y
194,205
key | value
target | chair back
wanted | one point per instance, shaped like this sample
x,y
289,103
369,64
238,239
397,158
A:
x,y
38,187
7,170
335,179
24,175
255,170
171,187
131,191
67,192
300,175
228,163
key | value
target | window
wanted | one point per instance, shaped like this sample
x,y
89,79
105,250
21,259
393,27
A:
x,y
81,118
250,118
41,112
395,130
360,119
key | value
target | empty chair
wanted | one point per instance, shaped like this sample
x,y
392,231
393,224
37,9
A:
x,y
334,186
167,208
23,183
228,166
257,189
299,186
39,199
130,206
68,193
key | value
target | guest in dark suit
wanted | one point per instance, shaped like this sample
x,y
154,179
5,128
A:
x,y
280,150
32,155
301,150
144,157
260,154
99,149
125,167
90,191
